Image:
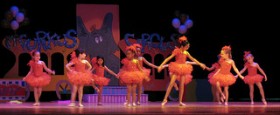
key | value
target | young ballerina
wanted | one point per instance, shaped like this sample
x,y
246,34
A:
x,y
141,59
253,77
99,68
131,74
175,84
179,69
214,68
79,75
223,77
36,78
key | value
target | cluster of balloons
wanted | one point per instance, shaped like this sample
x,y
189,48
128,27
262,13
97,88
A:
x,y
182,23
14,18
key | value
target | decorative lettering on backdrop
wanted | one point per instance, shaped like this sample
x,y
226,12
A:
x,y
42,40
153,40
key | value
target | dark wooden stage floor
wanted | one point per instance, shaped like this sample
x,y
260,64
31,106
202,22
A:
x,y
171,108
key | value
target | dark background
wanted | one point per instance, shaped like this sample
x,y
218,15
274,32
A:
x,y
243,25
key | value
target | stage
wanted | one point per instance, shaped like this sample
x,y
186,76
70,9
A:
x,y
191,108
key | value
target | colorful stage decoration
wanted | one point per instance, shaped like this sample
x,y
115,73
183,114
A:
x,y
52,46
14,18
13,90
182,22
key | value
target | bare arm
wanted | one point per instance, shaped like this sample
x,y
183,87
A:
x,y
236,70
110,71
46,68
148,63
243,70
194,60
139,67
210,69
88,65
69,65
165,61
192,63
261,70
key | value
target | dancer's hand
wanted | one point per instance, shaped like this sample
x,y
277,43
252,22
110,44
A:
x,y
53,72
242,77
265,78
159,68
203,66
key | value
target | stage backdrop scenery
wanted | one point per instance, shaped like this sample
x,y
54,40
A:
x,y
99,34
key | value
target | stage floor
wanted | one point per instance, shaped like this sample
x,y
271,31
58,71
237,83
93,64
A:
x,y
171,108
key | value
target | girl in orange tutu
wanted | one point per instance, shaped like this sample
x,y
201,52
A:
x,y
253,77
36,77
131,74
179,69
223,77
79,75
214,68
175,84
141,59
98,76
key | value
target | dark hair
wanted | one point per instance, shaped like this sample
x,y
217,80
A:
x,y
99,57
79,51
184,43
33,52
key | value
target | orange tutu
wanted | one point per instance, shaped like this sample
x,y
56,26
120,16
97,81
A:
x,y
251,79
79,78
210,75
223,79
38,81
101,81
129,77
180,69
147,74
188,78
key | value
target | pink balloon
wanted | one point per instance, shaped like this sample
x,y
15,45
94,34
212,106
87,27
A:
x,y
176,23
14,25
182,29
20,17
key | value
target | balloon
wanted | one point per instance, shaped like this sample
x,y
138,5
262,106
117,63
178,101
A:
x,y
182,29
189,23
20,17
14,25
176,23
14,10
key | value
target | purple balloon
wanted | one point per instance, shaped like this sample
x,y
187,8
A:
x,y
14,25
189,23
20,17
14,10
176,23
182,29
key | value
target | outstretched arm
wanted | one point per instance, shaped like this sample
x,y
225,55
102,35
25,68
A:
x,y
236,70
194,60
210,69
148,63
110,71
165,61
47,69
243,70
261,70
192,63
